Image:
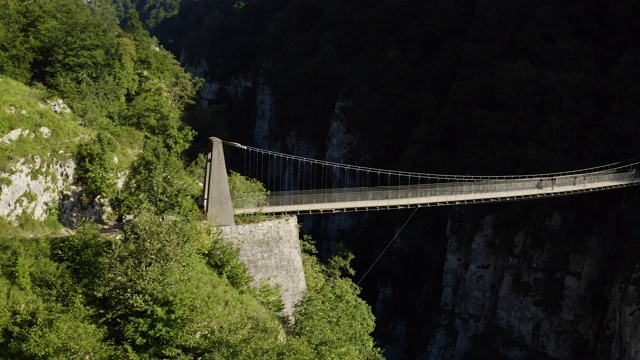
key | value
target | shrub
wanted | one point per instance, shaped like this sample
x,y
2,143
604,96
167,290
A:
x,y
246,192
96,170
157,179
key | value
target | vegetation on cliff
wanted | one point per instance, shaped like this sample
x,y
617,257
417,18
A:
x,y
167,286
165,289
120,89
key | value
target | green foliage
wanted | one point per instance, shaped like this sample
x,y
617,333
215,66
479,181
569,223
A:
x,y
308,246
155,11
197,167
51,334
223,258
246,192
154,112
41,314
82,253
160,299
269,297
51,139
15,60
28,226
163,91
166,288
106,74
253,218
158,180
331,318
339,264
28,196
146,269
152,12
6,181
95,169
80,68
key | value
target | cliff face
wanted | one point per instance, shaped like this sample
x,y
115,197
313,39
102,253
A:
x,y
37,187
31,187
536,292
623,317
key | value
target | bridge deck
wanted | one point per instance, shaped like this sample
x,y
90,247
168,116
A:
x,y
362,199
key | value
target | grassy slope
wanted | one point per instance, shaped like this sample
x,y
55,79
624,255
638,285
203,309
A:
x,y
65,131
22,107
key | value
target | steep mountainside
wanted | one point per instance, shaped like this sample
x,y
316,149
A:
x,y
40,137
481,87
92,116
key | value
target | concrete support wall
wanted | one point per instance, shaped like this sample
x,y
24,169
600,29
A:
x,y
271,251
217,198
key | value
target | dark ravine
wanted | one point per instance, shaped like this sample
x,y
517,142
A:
x,y
544,279
477,88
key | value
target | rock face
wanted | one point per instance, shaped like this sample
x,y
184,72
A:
x,y
340,142
623,320
36,189
515,299
271,251
469,275
32,187
264,128
40,186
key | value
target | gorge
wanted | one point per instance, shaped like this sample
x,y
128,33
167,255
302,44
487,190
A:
x,y
480,87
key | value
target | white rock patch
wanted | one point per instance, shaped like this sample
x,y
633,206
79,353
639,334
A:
x,y
45,131
58,106
13,135
30,193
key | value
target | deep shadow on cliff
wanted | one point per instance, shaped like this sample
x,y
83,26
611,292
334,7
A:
x,y
482,87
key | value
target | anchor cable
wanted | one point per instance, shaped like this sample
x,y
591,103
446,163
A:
x,y
389,244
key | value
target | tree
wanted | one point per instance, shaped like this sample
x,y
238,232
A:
x,y
331,318
42,314
163,91
15,54
246,192
158,181
159,299
96,171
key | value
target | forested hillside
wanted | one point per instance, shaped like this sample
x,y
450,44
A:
x,y
96,97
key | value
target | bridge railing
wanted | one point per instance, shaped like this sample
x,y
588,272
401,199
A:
x,y
461,190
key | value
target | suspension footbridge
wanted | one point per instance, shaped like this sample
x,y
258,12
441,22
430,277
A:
x,y
299,185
